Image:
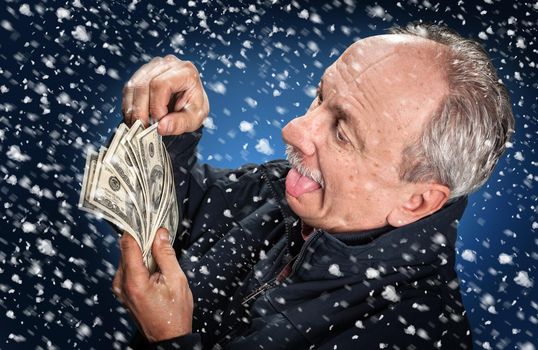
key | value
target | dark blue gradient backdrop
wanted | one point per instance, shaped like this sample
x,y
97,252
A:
x,y
62,68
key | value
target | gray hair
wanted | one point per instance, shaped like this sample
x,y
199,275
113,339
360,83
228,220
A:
x,y
461,144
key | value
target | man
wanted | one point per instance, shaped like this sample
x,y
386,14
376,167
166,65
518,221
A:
x,y
350,244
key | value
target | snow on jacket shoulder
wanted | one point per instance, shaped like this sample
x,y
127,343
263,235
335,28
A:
x,y
257,285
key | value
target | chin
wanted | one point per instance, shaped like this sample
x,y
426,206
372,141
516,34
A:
x,y
303,209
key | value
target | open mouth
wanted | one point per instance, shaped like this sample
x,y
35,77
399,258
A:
x,y
298,184
300,179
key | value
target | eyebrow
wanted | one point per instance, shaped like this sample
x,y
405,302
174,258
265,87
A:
x,y
343,114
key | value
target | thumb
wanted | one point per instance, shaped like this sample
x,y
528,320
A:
x,y
175,123
164,253
133,265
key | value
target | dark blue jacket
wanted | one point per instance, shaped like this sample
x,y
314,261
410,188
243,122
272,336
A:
x,y
258,285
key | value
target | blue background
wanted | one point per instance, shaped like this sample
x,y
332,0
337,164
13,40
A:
x,y
60,94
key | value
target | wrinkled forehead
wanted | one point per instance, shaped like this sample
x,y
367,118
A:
x,y
370,50
400,78
413,53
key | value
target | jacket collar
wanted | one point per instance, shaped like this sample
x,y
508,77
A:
x,y
450,213
429,241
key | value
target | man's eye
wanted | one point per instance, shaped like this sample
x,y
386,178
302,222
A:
x,y
340,136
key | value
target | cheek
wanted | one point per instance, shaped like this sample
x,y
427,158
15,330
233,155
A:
x,y
364,188
381,171
359,181
369,187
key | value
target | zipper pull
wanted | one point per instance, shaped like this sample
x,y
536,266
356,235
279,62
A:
x,y
275,281
258,291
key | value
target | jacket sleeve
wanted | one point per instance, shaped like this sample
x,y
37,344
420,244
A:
x,y
192,179
191,341
186,342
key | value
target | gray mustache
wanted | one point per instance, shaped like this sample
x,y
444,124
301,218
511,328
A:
x,y
296,162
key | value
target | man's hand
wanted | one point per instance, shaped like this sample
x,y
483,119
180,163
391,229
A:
x,y
167,90
161,303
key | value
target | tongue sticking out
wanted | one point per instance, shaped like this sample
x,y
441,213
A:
x,y
297,184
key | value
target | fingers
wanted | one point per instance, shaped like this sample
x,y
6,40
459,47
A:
x,y
135,102
183,78
134,271
163,88
189,118
143,92
165,255
128,92
126,104
174,124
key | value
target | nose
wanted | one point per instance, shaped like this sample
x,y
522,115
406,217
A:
x,y
298,133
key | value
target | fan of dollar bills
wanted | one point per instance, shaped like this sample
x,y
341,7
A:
x,y
131,184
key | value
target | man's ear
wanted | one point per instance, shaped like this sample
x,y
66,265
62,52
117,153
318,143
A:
x,y
426,200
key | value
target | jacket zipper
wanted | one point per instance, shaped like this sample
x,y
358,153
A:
x,y
287,271
282,275
253,295
302,252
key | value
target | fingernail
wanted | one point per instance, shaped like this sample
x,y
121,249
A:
x,y
163,127
163,235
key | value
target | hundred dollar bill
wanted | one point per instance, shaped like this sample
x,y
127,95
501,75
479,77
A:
x,y
172,217
131,184
168,214
108,193
84,200
136,129
172,211
166,192
149,142
134,155
118,158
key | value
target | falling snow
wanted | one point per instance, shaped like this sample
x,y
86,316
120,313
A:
x,y
63,66
264,147
523,279
44,246
390,294
334,270
372,273
80,33
469,255
14,153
